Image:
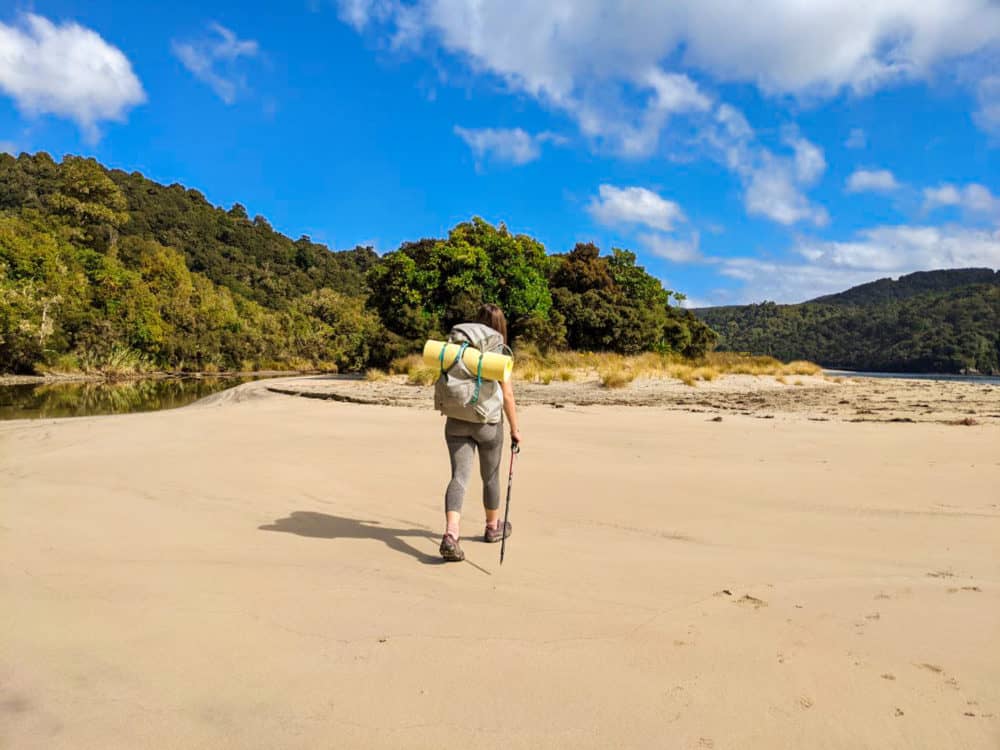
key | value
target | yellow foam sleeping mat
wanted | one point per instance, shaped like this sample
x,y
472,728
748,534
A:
x,y
495,366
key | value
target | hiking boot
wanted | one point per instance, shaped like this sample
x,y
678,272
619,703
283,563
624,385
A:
x,y
494,535
450,550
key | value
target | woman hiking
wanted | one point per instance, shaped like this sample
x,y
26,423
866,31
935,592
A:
x,y
475,424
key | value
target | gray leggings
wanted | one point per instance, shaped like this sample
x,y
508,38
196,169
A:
x,y
463,438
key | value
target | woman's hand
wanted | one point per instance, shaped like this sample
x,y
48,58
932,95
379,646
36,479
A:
x,y
515,436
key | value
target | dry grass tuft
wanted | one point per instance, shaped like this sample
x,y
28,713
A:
x,y
617,377
416,372
618,370
801,367
375,375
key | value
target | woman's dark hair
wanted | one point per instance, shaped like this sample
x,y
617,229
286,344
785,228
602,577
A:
x,y
492,316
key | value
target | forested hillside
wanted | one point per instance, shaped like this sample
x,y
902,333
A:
x,y
101,270
911,285
938,321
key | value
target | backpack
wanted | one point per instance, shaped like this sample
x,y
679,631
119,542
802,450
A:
x,y
463,394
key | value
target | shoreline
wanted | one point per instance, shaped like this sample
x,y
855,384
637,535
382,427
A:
x,y
811,398
51,379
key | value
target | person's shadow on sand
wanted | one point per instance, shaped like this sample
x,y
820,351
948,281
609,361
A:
x,y
323,526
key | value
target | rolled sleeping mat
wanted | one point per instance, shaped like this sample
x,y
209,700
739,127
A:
x,y
495,366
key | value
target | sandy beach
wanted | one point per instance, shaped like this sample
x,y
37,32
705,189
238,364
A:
x,y
260,570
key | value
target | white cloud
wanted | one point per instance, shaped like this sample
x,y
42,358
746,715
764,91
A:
x,y
627,73
972,198
214,60
832,266
783,46
786,282
774,185
872,181
9,147
68,71
944,195
909,248
857,139
809,161
614,206
979,199
672,248
987,117
511,146
772,192
361,13
602,60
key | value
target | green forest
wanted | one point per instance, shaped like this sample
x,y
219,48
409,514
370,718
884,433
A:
x,y
106,271
933,321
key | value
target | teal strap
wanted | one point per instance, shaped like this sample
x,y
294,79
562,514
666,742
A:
x,y
461,351
479,380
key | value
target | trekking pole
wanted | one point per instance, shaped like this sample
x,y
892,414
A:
x,y
514,450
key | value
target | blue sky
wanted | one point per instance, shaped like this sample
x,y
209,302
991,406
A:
x,y
783,152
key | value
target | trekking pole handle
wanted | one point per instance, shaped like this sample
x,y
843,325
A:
x,y
515,447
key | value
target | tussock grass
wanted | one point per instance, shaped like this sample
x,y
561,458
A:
x,y
62,364
616,377
416,372
618,370
119,361
374,375
801,367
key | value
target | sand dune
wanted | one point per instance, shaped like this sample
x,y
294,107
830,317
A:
x,y
260,571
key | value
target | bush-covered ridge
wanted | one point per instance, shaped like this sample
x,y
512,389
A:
x,y
101,270
911,285
883,326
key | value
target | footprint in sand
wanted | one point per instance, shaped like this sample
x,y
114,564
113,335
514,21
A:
x,y
941,574
751,601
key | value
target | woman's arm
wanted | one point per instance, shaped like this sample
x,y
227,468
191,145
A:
x,y
510,409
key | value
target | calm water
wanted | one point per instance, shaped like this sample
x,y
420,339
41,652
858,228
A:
x,y
35,401
988,379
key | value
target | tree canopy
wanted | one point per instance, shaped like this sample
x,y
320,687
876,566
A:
x,y
94,262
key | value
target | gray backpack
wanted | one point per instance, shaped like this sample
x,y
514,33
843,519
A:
x,y
462,393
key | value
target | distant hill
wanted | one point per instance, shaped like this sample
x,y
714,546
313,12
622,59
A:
x,y
911,285
944,321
